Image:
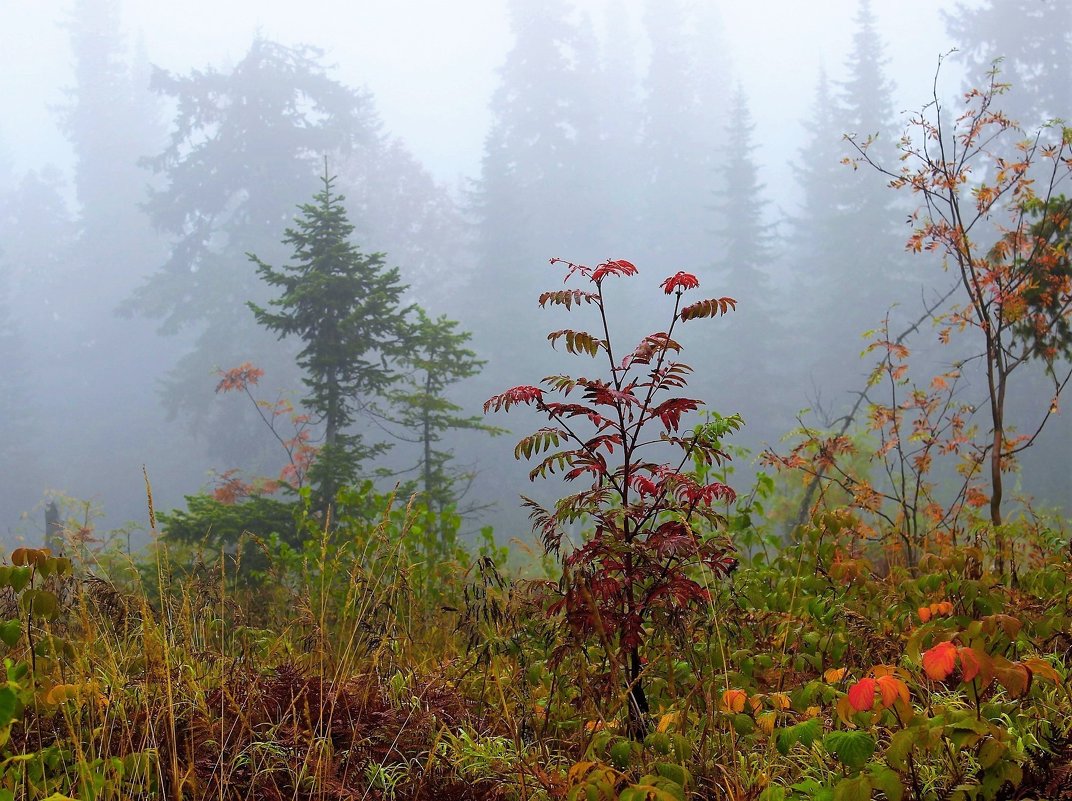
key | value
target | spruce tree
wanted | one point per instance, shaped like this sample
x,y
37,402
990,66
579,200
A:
x,y
746,342
346,308
848,248
244,143
871,269
37,331
1033,40
531,157
437,358
684,103
815,227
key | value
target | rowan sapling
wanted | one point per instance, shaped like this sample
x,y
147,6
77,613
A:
x,y
653,534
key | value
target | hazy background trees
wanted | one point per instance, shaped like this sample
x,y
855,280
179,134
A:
x,y
656,132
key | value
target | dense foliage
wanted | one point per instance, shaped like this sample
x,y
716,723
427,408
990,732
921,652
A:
x,y
363,669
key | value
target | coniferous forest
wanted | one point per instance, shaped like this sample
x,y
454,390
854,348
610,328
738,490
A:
x,y
703,434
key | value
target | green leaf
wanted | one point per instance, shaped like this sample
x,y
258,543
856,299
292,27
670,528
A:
x,y
804,733
853,748
653,788
809,731
858,788
621,754
10,706
743,724
901,744
10,632
675,773
19,578
40,602
887,781
991,751
813,790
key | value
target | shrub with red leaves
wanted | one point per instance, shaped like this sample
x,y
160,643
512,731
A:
x,y
654,537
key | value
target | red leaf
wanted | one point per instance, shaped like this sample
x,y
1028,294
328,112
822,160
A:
x,y
523,394
669,412
862,695
680,282
969,664
618,267
940,661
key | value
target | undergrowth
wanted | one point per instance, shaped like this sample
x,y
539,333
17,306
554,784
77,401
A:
x,y
820,671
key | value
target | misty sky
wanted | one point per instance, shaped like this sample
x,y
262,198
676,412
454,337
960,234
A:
x,y
431,64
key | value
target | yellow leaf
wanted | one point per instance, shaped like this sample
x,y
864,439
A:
x,y
766,722
578,771
834,675
667,720
779,700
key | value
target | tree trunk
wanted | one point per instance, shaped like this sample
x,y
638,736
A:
x,y
638,701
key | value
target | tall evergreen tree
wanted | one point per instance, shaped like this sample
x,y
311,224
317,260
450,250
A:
x,y
540,192
346,308
19,434
112,121
742,210
848,247
683,121
745,343
1033,39
871,270
616,208
817,223
531,157
37,426
243,143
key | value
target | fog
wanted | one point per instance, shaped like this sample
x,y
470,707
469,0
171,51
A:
x,y
473,142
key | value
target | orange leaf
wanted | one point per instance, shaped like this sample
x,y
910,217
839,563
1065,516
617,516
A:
x,y
940,661
924,614
892,688
862,695
884,670
780,701
734,700
969,663
1013,676
1040,667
